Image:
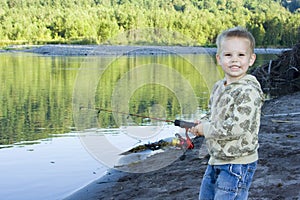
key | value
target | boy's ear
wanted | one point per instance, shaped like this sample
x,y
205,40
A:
x,y
252,59
218,59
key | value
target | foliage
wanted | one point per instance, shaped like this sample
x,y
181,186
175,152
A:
x,y
273,22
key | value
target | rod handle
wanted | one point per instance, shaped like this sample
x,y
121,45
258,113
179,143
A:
x,y
184,124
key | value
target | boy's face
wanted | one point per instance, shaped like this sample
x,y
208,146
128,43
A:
x,y
235,57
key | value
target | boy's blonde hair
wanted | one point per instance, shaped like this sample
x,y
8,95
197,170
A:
x,y
239,32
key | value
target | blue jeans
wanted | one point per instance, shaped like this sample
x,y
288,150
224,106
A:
x,y
230,182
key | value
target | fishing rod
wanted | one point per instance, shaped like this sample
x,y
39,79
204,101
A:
x,y
180,123
183,124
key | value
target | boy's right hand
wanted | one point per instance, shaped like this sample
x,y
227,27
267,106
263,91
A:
x,y
197,130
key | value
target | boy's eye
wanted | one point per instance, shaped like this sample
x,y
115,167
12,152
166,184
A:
x,y
227,54
241,54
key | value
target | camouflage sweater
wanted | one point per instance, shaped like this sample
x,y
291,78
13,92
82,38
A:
x,y
232,125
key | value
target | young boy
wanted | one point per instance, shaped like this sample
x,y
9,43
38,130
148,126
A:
x,y
232,125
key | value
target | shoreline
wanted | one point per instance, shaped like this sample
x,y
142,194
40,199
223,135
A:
x,y
108,179
117,50
116,182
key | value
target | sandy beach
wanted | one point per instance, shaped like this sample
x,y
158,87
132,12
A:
x,y
278,173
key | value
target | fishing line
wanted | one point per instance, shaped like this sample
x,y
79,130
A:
x,y
176,122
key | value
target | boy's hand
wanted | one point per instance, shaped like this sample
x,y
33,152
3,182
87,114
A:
x,y
197,130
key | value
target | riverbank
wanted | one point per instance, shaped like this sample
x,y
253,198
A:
x,y
117,50
277,176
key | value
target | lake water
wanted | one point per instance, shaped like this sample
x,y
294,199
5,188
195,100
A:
x,y
64,120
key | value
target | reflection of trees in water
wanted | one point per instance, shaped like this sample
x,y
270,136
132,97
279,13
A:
x,y
35,96
148,82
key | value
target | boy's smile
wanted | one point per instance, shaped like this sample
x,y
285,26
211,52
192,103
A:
x,y
235,58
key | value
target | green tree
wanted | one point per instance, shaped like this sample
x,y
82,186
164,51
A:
x,y
36,21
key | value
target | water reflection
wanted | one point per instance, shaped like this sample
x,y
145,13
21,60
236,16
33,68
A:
x,y
160,86
35,96
40,96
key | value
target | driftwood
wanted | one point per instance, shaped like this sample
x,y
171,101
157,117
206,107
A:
x,y
282,75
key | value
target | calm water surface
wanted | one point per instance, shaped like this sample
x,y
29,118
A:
x,y
42,96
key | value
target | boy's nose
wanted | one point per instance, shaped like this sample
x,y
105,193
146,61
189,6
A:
x,y
234,59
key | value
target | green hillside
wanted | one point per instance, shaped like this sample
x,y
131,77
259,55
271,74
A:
x,y
273,23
